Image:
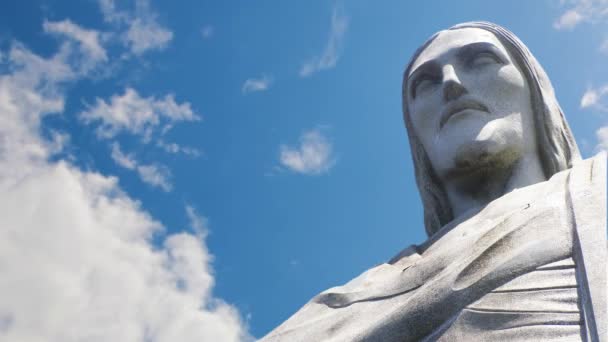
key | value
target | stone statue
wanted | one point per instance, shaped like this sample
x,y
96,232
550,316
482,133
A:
x,y
516,220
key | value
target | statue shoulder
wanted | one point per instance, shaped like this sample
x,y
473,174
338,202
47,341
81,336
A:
x,y
595,163
587,192
330,314
406,256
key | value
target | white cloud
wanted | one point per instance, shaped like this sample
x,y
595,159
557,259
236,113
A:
x,y
207,31
333,49
602,138
198,223
154,174
36,71
124,160
137,115
110,13
176,148
314,156
141,30
568,20
92,272
581,11
256,84
589,99
31,91
78,55
88,39
594,98
76,253
144,35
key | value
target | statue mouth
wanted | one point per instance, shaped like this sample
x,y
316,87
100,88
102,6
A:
x,y
458,106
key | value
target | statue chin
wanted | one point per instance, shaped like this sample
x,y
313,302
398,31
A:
x,y
475,145
480,158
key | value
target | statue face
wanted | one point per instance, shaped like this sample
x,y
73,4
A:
x,y
469,103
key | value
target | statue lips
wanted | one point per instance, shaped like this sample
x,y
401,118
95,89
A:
x,y
458,106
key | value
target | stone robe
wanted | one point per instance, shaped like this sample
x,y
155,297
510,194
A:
x,y
530,265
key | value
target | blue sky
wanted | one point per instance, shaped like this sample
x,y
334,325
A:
x,y
199,170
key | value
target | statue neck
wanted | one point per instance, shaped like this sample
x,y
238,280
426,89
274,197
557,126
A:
x,y
478,189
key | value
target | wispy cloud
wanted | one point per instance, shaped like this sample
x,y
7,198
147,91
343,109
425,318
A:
x,y
594,98
148,118
329,57
601,135
256,84
581,11
198,222
174,148
89,40
31,89
313,156
93,268
568,20
124,160
132,113
139,29
144,35
155,175
80,52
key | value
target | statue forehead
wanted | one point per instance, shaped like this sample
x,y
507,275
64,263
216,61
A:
x,y
450,40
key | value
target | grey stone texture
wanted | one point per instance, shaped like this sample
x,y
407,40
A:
x,y
517,247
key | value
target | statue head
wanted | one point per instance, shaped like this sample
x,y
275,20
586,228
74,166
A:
x,y
474,97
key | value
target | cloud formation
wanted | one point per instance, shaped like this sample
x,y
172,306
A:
x,y
602,139
313,156
89,40
568,20
76,253
256,84
330,55
582,11
174,148
139,29
594,98
132,113
198,223
153,174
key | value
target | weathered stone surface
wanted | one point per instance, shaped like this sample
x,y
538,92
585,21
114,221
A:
x,y
517,247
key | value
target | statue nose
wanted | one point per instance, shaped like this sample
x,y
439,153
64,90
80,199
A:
x,y
452,87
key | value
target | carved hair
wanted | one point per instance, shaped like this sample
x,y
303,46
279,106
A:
x,y
556,146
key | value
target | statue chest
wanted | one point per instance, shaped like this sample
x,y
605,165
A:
x,y
542,305
514,278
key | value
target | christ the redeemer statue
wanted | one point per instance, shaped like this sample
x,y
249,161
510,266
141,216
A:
x,y
517,247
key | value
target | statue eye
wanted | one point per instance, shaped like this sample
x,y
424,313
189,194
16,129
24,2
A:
x,y
422,84
484,58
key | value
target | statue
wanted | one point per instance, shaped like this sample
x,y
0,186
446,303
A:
x,y
516,220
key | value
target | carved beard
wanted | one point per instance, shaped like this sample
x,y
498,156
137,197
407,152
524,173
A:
x,y
479,163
